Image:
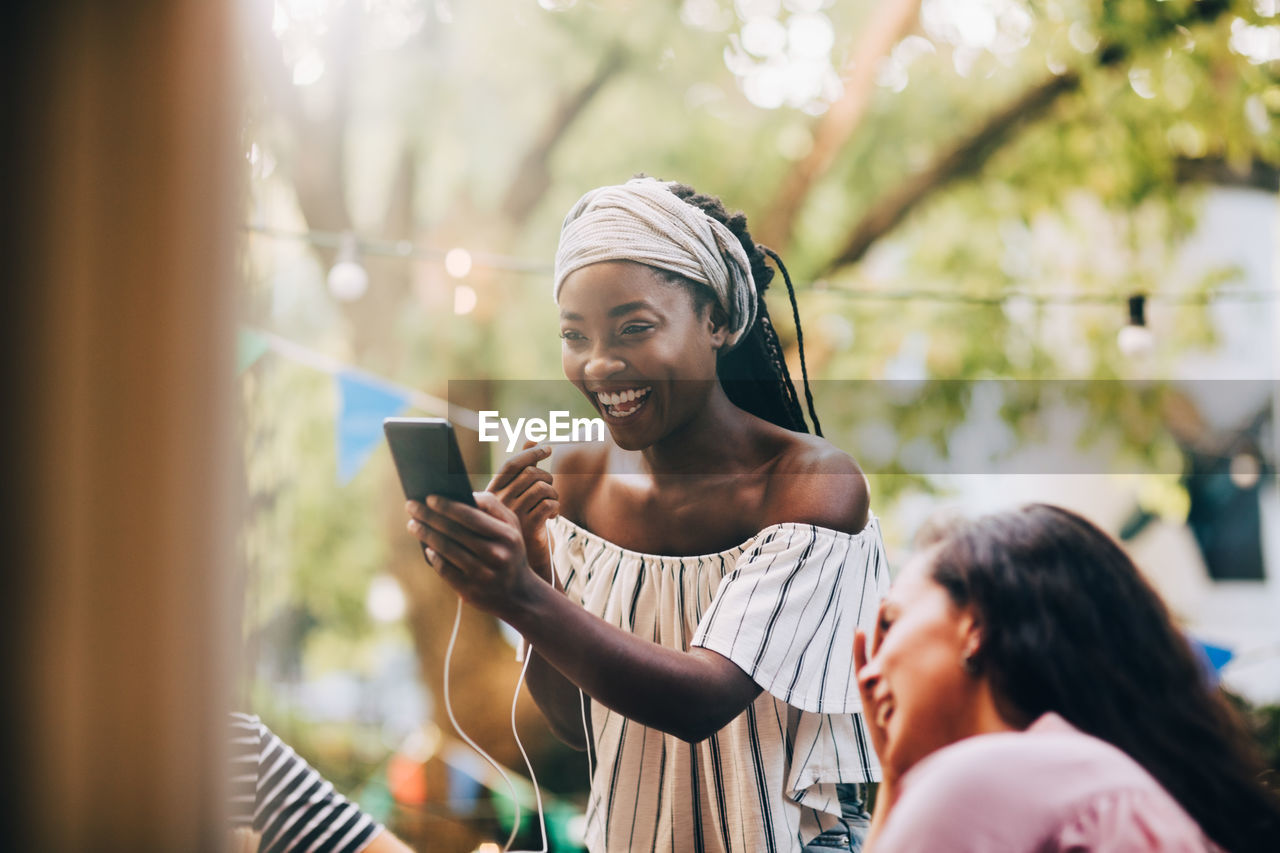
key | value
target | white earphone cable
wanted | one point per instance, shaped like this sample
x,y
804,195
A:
x,y
448,707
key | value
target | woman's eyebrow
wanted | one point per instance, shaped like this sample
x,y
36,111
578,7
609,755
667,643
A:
x,y
627,308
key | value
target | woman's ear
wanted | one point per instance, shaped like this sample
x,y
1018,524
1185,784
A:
x,y
971,639
717,327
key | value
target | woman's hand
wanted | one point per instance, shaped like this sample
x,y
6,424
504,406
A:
x,y
479,551
530,493
887,792
867,685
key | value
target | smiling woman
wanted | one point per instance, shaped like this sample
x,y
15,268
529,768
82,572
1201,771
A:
x,y
1029,691
690,589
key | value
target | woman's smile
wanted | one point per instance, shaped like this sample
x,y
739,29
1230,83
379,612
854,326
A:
x,y
620,404
638,347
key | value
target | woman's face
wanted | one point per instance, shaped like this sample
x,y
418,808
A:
x,y
634,344
922,697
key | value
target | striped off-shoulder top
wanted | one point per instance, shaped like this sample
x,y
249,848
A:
x,y
783,606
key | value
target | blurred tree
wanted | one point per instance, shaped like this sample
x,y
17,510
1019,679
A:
x,y
960,147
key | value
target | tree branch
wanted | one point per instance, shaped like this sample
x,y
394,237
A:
x,y
316,167
969,155
533,176
890,23
965,158
1255,175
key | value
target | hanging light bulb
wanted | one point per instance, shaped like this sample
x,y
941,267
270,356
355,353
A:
x,y
465,299
348,280
457,262
1135,339
1245,470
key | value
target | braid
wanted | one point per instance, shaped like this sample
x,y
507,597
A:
x,y
795,312
754,374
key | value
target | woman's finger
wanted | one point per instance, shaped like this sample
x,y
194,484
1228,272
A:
x,y
547,509
451,574
879,631
513,466
500,513
454,530
473,518
859,651
528,479
532,496
452,550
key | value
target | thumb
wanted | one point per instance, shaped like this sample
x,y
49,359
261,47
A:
x,y
492,504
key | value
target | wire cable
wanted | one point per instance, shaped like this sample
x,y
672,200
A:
x,y
448,707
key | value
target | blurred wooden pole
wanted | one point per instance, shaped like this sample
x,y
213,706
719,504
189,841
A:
x,y
119,184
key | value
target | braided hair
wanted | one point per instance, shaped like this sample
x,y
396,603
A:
x,y
754,373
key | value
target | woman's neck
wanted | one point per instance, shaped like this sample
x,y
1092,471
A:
x,y
986,717
713,441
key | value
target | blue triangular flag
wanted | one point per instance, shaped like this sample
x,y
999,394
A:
x,y
363,405
1212,658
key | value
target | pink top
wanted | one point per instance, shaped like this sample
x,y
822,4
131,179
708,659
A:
x,y
1050,789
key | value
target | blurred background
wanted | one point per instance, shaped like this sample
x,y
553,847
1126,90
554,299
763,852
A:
x,y
1006,222
1034,244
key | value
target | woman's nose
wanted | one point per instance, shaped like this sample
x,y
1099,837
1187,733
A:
x,y
602,364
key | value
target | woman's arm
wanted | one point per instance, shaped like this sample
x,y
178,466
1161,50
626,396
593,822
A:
x,y
481,553
532,494
560,702
690,694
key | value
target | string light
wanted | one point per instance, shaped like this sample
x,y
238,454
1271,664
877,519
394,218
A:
x,y
457,262
403,249
348,280
1023,297
465,299
1244,470
1135,339
509,263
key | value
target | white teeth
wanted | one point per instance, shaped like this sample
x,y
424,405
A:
x,y
611,399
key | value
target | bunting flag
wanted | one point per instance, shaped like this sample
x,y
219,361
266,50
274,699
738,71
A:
x,y
1212,658
365,399
364,403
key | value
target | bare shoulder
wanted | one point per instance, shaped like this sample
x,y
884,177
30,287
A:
x,y
815,482
577,468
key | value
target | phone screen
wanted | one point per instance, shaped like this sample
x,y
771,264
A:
x,y
427,459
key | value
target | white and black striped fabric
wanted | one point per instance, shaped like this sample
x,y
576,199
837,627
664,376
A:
x,y
784,607
283,798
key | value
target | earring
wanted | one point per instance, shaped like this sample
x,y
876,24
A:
x,y
970,663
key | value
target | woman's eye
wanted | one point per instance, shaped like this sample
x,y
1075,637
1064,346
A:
x,y
636,328
571,335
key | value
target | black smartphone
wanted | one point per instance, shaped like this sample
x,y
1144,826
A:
x,y
427,459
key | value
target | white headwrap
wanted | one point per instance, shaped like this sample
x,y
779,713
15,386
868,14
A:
x,y
643,221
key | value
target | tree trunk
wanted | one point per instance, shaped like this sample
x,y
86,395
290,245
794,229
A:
x,y
890,23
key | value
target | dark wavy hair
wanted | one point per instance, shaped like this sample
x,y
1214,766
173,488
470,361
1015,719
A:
x,y
1069,625
754,374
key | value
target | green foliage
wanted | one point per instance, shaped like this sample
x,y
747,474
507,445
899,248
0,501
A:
x,y
1088,197
1264,724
